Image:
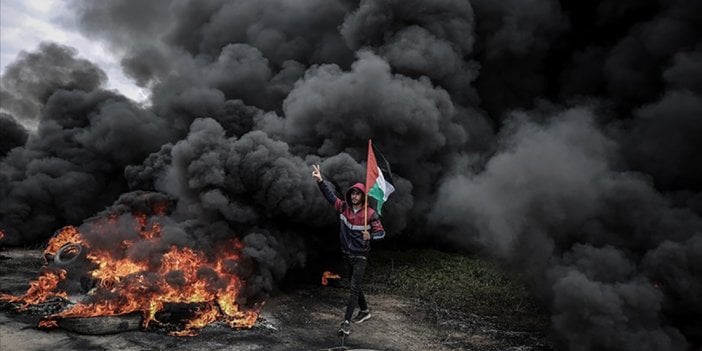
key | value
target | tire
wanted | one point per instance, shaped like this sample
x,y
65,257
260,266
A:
x,y
102,325
69,254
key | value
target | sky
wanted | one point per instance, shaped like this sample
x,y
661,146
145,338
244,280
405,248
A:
x,y
25,24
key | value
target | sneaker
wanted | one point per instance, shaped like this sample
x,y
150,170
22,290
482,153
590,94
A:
x,y
362,316
345,329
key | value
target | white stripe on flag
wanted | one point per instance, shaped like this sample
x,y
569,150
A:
x,y
386,187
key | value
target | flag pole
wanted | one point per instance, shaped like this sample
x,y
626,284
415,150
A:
x,y
365,203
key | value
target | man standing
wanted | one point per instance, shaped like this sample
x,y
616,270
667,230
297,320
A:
x,y
358,227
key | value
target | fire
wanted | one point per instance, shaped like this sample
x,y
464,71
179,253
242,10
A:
x,y
111,270
66,235
147,230
2,234
148,282
203,317
48,324
329,275
160,208
40,290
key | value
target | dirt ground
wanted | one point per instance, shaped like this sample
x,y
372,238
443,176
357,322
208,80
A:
x,y
304,319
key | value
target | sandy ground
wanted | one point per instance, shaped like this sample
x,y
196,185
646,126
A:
x,y
305,319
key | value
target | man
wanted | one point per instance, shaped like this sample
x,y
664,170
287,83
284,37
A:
x,y
356,232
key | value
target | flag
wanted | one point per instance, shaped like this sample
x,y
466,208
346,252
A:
x,y
379,182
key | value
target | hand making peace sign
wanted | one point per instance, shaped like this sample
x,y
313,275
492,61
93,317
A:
x,y
317,173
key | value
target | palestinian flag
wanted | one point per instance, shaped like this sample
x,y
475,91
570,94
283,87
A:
x,y
379,182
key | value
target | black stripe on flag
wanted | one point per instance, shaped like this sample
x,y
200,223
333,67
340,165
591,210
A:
x,y
383,164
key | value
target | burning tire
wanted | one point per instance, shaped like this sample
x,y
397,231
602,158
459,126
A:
x,y
102,325
69,254
73,258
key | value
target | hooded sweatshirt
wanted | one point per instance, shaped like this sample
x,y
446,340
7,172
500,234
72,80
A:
x,y
353,222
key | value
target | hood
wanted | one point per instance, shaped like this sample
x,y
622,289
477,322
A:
x,y
359,186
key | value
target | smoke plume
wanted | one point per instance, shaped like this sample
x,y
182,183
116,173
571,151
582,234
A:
x,y
560,138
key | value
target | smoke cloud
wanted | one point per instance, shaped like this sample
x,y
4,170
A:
x,y
551,199
560,138
33,77
12,134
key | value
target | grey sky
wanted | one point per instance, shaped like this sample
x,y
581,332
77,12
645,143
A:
x,y
24,24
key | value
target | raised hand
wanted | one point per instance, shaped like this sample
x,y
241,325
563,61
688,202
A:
x,y
317,173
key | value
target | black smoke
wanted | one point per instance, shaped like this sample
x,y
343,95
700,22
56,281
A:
x,y
72,165
33,77
561,138
12,134
554,202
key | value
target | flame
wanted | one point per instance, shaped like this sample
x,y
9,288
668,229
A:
x,y
147,230
66,235
48,324
329,275
160,208
39,290
125,284
2,234
203,317
112,270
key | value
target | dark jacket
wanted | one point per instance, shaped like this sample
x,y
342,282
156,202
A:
x,y
352,223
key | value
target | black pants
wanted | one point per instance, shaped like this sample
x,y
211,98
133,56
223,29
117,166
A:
x,y
354,268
